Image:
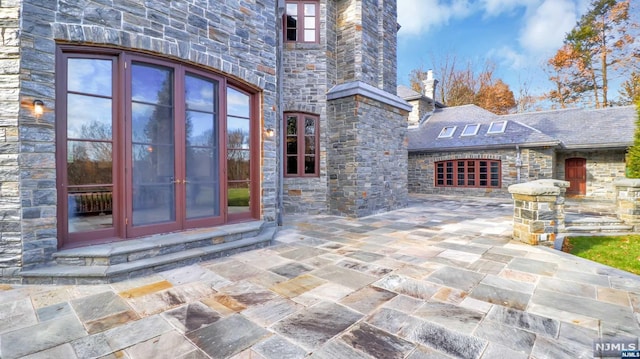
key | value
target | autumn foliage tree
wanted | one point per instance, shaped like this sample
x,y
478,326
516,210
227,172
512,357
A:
x,y
600,44
630,89
463,86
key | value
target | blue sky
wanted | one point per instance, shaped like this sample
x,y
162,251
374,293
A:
x,y
517,35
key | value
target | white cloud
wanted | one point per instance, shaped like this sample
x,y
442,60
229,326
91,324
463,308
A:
x,y
508,58
419,16
545,28
498,7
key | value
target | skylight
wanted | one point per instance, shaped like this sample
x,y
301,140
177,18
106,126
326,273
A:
x,y
497,127
447,132
470,130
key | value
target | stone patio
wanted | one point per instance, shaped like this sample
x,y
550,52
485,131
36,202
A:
x,y
438,279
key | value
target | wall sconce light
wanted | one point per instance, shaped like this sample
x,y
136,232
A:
x,y
38,108
269,132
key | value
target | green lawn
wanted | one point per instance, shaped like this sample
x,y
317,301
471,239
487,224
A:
x,y
238,197
622,252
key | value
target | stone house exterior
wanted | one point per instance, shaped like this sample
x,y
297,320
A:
x,y
124,120
470,151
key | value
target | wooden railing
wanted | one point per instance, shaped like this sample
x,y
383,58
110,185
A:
x,y
91,202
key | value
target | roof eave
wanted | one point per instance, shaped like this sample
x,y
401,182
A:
x,y
486,147
599,146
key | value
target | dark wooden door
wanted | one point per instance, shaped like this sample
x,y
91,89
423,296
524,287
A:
x,y
576,174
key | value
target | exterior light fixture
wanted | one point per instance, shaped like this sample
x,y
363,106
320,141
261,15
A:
x,y
38,108
269,132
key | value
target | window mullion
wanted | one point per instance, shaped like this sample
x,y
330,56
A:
x,y
300,155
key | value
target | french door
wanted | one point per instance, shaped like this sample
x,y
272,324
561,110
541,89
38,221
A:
x,y
173,149
147,146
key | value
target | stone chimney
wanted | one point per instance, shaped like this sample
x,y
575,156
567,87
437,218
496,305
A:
x,y
429,86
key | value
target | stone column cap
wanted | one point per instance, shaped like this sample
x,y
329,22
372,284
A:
x,y
363,89
544,187
627,182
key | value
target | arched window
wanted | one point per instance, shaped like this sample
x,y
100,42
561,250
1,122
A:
x,y
146,145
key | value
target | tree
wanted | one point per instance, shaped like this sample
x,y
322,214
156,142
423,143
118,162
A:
x,y
633,155
569,83
416,77
600,45
495,97
463,86
630,89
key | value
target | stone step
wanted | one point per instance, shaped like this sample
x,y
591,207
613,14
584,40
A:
x,y
156,245
621,228
594,221
108,273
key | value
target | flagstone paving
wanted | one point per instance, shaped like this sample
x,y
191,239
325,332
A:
x,y
439,279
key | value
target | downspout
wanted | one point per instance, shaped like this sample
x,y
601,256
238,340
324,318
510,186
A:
x,y
518,163
280,8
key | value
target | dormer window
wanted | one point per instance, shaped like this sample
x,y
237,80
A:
x,y
497,127
447,132
470,130
302,21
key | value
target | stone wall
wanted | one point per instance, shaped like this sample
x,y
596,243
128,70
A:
x,y
237,39
10,204
538,163
367,157
309,71
538,210
535,164
603,168
357,44
367,42
420,107
628,201
366,143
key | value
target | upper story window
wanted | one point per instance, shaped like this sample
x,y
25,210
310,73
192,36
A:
x,y
470,130
497,127
302,21
447,132
301,149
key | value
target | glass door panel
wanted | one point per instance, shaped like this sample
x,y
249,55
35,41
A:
x,y
202,149
152,145
89,145
238,152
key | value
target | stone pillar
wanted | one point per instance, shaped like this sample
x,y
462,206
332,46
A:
x,y
367,156
628,201
10,202
367,151
538,212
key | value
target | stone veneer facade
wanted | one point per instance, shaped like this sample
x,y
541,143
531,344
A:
x,y
363,153
603,168
536,163
242,40
236,39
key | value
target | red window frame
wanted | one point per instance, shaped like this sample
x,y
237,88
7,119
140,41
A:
x,y
300,27
470,173
121,202
302,146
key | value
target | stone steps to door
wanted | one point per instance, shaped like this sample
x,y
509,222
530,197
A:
x,y
113,262
596,225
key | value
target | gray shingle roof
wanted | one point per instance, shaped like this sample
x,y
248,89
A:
x,y
425,137
407,93
570,129
585,128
